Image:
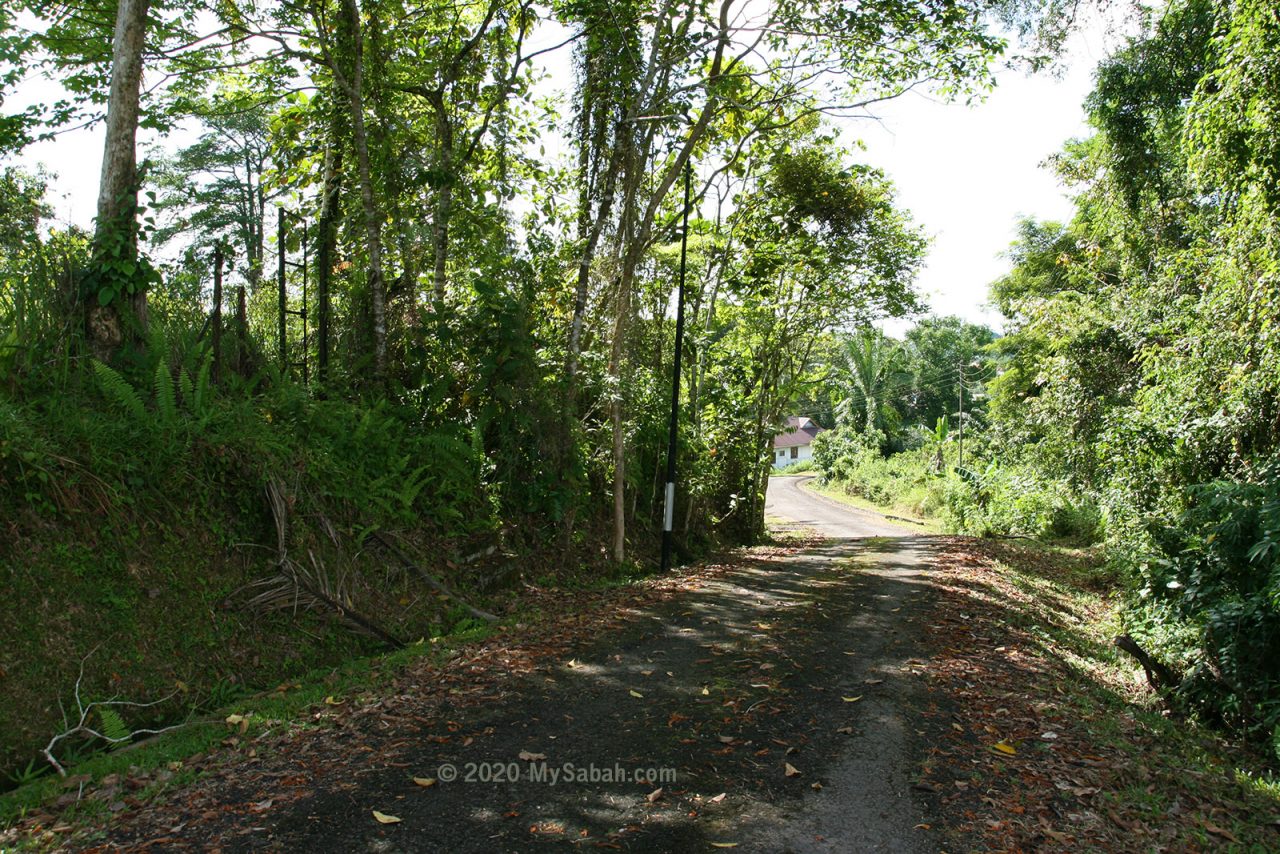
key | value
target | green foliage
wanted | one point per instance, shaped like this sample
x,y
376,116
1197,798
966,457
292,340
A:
x,y
445,408
143,522
119,392
114,728
1142,372
165,395
1218,574
906,482
874,373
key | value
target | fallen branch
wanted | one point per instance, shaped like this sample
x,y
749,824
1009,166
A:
x,y
432,581
86,710
1159,676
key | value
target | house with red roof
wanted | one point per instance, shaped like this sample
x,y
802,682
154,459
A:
x,y
795,442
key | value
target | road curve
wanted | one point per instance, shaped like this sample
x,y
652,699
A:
x,y
789,499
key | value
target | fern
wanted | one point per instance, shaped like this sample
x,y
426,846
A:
x,y
166,398
186,388
409,489
200,394
113,726
118,390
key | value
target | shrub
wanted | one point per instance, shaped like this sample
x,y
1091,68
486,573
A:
x,y
1210,599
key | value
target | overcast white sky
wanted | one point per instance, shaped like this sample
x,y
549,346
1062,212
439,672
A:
x,y
965,172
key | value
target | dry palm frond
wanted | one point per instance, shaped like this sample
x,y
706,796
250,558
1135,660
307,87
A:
x,y
298,587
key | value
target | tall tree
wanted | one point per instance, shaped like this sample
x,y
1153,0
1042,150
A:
x,y
121,297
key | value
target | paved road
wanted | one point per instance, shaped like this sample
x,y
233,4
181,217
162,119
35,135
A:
x,y
867,804
788,498
738,679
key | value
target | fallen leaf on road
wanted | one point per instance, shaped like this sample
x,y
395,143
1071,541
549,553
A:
x,y
724,845
636,694
790,770
425,782
383,818
718,798
532,757
852,699
654,795
1006,749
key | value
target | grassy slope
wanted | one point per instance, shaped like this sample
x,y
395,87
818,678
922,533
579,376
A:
x,y
130,540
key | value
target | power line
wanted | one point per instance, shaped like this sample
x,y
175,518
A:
x,y
937,384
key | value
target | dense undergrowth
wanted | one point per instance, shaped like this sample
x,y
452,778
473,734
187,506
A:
x,y
140,544
984,499
1195,585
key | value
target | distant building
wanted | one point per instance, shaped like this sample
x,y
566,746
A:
x,y
795,442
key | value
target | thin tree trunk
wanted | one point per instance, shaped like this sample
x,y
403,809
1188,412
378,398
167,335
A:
x,y
631,251
440,244
118,187
372,214
615,420
590,230
327,241
393,175
444,203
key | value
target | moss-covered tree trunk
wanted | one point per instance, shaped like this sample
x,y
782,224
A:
x,y
119,310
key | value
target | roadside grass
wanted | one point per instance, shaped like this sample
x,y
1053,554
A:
x,y
1023,646
159,764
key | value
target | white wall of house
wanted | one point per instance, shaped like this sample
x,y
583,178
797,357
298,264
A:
x,y
783,457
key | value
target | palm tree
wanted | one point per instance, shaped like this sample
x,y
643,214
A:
x,y
874,368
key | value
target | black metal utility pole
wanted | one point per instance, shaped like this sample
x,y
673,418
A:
x,y
669,505
960,464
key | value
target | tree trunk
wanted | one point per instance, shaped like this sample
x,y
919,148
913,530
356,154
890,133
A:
x,y
327,241
590,230
393,172
440,241
354,88
117,225
615,419
631,251
444,207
